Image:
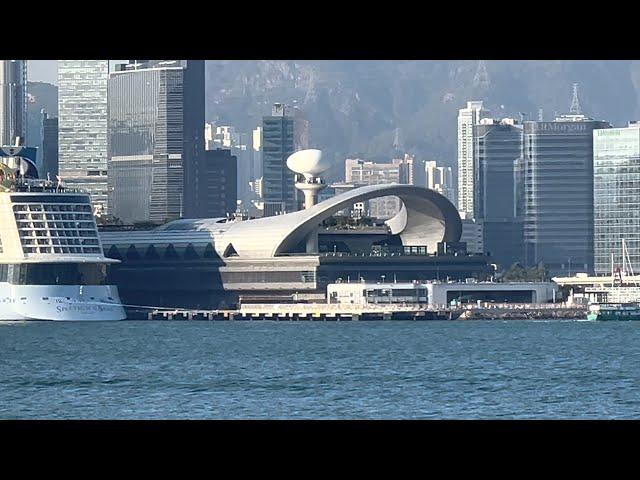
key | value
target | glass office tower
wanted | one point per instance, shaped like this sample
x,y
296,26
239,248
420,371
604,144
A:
x,y
497,146
616,184
279,192
82,127
49,146
13,101
558,196
156,140
145,142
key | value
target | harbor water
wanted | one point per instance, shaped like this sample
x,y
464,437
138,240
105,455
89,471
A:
x,y
320,370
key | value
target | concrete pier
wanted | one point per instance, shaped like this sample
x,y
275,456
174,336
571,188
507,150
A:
x,y
341,312
307,312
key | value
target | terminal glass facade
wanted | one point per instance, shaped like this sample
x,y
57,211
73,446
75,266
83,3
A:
x,y
616,197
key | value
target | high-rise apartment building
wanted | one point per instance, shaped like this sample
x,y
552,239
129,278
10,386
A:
x,y
256,151
557,172
468,118
616,185
412,171
13,101
156,143
82,127
439,179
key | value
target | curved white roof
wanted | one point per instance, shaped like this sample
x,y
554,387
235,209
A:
x,y
426,218
197,224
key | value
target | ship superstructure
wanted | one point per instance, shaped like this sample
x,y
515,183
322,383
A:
x,y
52,266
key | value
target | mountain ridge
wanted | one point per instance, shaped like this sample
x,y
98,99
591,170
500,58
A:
x,y
356,108
364,107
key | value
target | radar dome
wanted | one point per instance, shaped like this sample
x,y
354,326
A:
x,y
308,162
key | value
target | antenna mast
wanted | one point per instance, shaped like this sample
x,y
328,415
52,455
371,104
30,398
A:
x,y
627,258
397,144
575,102
481,78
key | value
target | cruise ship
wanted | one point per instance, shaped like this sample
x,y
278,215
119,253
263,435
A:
x,y
52,265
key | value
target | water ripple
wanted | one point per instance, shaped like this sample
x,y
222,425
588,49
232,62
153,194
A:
x,y
494,369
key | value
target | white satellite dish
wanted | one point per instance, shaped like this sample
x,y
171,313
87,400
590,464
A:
x,y
308,163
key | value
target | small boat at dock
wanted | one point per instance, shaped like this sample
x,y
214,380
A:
x,y
614,312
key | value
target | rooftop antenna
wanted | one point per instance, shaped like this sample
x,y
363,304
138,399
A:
x,y
540,115
396,139
575,102
481,78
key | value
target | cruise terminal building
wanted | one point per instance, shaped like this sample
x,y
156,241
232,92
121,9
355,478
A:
x,y
219,262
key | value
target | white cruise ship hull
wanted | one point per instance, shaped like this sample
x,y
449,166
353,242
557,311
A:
x,y
60,302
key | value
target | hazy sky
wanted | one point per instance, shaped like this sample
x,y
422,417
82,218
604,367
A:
x,y
47,71
43,71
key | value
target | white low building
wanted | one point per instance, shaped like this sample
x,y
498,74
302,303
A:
x,y
441,294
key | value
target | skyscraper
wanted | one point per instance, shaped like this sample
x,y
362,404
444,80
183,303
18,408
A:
x,y
412,171
497,147
49,146
558,193
152,141
194,205
219,183
616,158
278,132
439,179
13,101
467,119
240,144
82,127
256,150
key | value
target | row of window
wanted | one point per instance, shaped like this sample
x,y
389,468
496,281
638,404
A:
x,y
59,241
35,207
25,217
68,233
61,249
54,274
